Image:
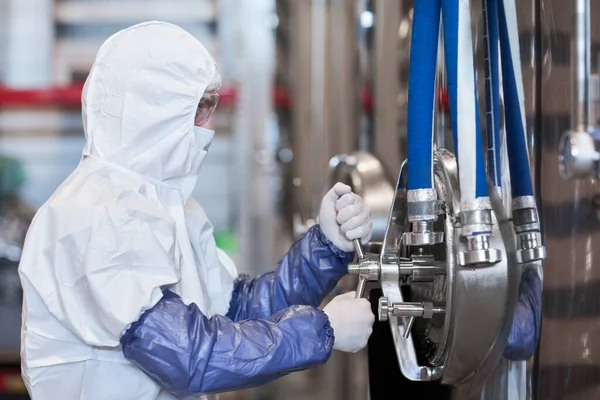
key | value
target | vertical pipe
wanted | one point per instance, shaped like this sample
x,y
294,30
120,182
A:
x,y
386,141
580,67
256,201
318,99
30,43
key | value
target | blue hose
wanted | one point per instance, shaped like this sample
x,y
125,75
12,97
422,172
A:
x,y
492,89
472,172
518,156
421,93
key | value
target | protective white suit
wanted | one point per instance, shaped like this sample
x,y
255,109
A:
x,y
121,262
125,204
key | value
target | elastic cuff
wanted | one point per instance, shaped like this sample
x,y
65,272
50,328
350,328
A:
x,y
129,334
329,334
236,294
342,255
328,329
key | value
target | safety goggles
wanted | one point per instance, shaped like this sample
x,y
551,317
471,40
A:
x,y
207,106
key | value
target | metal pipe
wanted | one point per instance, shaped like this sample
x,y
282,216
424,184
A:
x,y
580,67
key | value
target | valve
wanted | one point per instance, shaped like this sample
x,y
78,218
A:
x,y
420,268
578,155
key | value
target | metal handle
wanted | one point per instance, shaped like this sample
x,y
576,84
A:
x,y
362,282
408,327
360,253
360,289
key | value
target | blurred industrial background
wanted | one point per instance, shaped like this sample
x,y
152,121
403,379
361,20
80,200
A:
x,y
303,80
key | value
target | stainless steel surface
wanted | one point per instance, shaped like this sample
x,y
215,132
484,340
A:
x,y
479,258
365,267
387,144
424,238
568,361
383,309
478,384
578,150
422,310
360,254
389,279
478,252
422,268
409,325
486,295
531,249
322,75
476,217
423,210
526,222
578,155
581,67
360,289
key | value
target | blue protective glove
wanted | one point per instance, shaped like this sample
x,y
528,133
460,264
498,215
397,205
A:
x,y
188,354
305,275
525,332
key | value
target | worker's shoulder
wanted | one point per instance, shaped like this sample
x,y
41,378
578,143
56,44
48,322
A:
x,y
95,198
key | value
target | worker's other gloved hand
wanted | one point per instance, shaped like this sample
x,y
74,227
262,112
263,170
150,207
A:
x,y
351,320
344,217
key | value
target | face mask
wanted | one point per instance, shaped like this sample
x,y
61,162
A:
x,y
203,137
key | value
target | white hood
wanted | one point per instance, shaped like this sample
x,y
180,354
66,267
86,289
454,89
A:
x,y
140,99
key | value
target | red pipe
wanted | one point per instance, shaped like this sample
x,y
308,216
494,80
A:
x,y
70,96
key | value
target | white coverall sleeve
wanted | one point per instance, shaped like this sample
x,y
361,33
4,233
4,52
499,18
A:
x,y
107,274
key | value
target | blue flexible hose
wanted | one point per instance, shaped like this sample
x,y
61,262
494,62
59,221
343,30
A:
x,y
512,83
421,93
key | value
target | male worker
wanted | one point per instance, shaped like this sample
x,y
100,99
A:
x,y
126,296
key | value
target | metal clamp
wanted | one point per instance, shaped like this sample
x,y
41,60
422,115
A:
x,y
366,267
422,234
527,229
479,252
474,223
421,268
406,310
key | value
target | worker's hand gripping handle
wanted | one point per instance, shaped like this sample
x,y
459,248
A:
x,y
362,281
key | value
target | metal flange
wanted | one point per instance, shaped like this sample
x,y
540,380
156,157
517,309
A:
x,y
483,294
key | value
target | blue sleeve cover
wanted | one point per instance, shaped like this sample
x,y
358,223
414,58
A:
x,y
189,354
304,276
525,332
